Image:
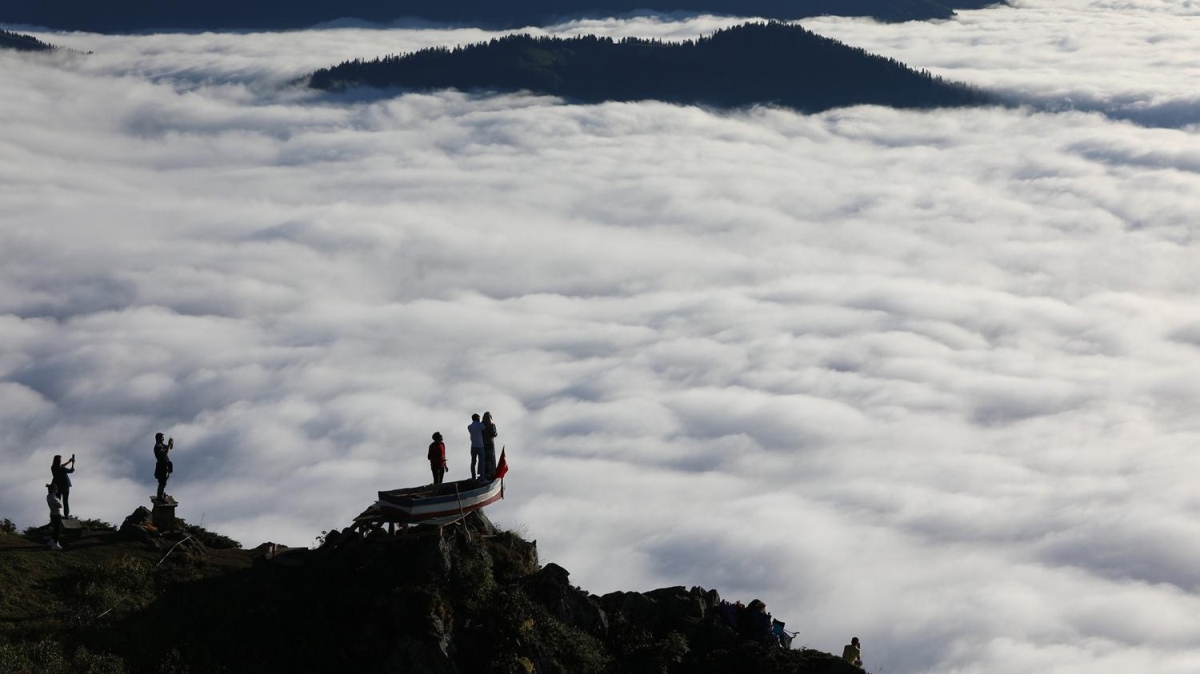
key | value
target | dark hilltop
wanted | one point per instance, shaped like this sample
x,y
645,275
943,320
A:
x,y
22,42
752,64
459,599
129,16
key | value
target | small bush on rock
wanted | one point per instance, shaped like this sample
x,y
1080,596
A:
x,y
208,538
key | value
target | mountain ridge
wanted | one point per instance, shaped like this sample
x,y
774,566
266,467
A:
x,y
768,63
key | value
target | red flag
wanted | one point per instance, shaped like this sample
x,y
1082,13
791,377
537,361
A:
x,y
502,467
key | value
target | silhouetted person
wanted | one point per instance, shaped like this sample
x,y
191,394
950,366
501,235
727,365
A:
x,y
162,463
489,445
755,622
476,431
852,653
437,458
731,613
55,504
61,478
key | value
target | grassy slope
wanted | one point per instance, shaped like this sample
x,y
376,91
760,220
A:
x,y
52,601
45,588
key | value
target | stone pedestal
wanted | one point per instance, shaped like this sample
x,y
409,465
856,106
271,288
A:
x,y
163,516
72,528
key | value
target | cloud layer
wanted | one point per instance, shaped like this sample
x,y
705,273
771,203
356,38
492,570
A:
x,y
924,378
1130,60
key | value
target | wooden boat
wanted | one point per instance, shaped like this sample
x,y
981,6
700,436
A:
x,y
438,503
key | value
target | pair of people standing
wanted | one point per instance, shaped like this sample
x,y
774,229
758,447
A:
x,y
483,446
60,477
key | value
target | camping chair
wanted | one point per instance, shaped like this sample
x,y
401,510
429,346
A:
x,y
783,636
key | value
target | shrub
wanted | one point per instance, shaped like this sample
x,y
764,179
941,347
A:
x,y
37,656
471,580
208,538
121,583
49,657
523,631
513,557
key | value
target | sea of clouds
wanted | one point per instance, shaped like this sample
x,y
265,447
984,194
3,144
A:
x,y
925,378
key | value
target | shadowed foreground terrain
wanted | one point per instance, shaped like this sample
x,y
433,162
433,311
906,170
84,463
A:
x,y
123,16
752,64
464,599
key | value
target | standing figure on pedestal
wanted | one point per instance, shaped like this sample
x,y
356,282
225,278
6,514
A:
x,y
162,463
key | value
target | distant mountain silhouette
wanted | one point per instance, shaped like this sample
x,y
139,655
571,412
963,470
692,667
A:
x,y
22,42
755,63
118,16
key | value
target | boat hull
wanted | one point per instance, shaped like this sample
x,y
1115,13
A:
x,y
438,504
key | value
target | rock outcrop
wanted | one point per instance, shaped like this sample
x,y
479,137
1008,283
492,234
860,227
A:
x,y
552,588
457,600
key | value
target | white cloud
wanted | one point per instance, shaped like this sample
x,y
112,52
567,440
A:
x,y
1131,59
920,377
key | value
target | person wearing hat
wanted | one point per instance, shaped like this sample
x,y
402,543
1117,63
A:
x,y
437,458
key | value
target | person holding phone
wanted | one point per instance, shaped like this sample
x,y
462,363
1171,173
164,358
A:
x,y
60,476
852,653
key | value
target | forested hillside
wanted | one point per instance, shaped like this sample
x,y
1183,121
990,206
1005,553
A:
x,y
755,63
21,42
